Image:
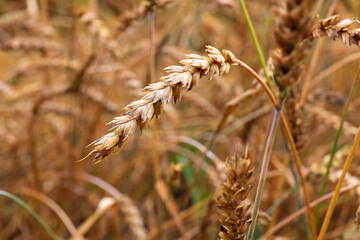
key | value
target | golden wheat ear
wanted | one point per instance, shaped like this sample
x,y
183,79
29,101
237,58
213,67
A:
x,y
333,28
232,207
141,112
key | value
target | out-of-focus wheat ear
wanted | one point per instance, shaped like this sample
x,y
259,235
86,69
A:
x,y
99,30
141,112
333,28
130,17
232,206
331,120
294,25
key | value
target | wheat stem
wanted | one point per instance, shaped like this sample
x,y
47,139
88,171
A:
x,y
259,79
264,169
292,146
256,42
338,186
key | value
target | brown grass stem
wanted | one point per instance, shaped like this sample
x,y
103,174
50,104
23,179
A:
x,y
301,175
338,186
264,169
259,79
291,143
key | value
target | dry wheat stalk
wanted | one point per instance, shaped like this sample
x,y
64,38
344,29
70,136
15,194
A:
x,y
233,218
130,17
334,28
140,113
349,179
100,31
293,26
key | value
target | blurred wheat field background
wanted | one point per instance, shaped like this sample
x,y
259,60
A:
x,y
252,149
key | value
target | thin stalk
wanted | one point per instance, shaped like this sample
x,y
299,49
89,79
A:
x,y
31,211
337,137
256,42
291,142
338,186
267,88
264,169
301,176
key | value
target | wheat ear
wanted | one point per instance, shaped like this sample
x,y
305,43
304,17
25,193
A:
x,y
334,28
293,27
233,217
140,113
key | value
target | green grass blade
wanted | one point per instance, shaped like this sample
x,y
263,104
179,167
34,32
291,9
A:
x,y
337,137
256,42
31,211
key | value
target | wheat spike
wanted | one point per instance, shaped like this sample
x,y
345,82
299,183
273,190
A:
x,y
232,209
334,28
100,31
293,27
140,113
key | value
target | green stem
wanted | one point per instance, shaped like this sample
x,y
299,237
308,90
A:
x,y
337,137
256,42
264,169
32,212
